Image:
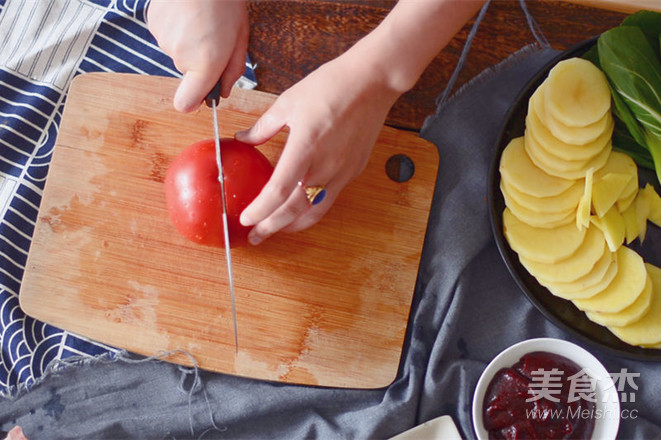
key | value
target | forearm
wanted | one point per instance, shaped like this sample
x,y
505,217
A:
x,y
408,39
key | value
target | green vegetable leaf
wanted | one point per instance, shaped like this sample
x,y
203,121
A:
x,y
650,23
624,115
592,55
624,142
634,71
654,147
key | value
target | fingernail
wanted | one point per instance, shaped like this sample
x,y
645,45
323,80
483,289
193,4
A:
x,y
182,98
180,104
254,239
178,100
241,134
245,220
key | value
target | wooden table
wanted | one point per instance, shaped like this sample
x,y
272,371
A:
x,y
291,38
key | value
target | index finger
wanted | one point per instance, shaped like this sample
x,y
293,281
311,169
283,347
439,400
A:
x,y
192,90
290,169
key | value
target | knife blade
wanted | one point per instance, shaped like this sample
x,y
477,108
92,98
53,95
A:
x,y
212,101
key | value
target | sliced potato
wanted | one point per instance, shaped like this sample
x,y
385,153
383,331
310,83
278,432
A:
x,y
576,265
606,189
628,284
628,315
571,135
577,92
566,169
544,245
584,205
625,201
566,201
655,205
543,158
647,330
588,285
631,224
535,218
580,135
642,205
613,227
555,147
621,163
517,170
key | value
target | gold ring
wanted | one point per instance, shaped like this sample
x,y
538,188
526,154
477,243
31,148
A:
x,y
315,194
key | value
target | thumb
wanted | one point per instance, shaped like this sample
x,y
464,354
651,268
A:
x,y
267,126
193,88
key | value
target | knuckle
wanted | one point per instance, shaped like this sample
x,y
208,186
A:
x,y
266,228
314,217
292,210
260,125
278,192
261,230
307,220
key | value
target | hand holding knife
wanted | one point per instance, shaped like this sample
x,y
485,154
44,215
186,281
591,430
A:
x,y
212,101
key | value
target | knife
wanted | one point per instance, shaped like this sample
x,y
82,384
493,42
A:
x,y
212,101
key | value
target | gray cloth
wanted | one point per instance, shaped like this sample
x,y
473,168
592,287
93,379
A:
x,y
466,309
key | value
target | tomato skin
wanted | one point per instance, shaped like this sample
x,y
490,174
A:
x,y
192,190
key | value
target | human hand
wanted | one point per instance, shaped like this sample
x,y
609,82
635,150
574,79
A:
x,y
334,117
207,40
16,433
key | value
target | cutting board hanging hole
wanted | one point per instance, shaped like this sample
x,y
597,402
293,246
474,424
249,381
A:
x,y
400,168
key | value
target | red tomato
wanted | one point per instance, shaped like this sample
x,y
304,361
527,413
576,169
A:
x,y
192,190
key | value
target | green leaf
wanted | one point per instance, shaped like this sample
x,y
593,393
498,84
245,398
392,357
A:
x,y
624,114
650,23
654,147
634,72
592,55
624,142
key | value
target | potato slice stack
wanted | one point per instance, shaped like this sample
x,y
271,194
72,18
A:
x,y
572,202
569,124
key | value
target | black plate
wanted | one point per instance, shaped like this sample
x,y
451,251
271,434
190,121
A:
x,y
561,312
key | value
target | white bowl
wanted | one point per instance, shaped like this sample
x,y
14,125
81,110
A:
x,y
607,402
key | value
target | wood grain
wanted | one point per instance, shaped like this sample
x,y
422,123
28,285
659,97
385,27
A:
x,y
626,6
291,38
328,306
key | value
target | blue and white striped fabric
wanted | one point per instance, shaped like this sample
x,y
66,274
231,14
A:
x,y
43,45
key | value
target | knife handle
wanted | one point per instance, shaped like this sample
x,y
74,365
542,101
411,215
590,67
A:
x,y
214,94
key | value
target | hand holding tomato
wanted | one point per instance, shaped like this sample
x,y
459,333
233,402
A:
x,y
192,189
334,119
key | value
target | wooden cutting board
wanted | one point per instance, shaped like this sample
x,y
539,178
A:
x,y
327,306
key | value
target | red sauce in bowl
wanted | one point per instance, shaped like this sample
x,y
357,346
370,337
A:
x,y
543,396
